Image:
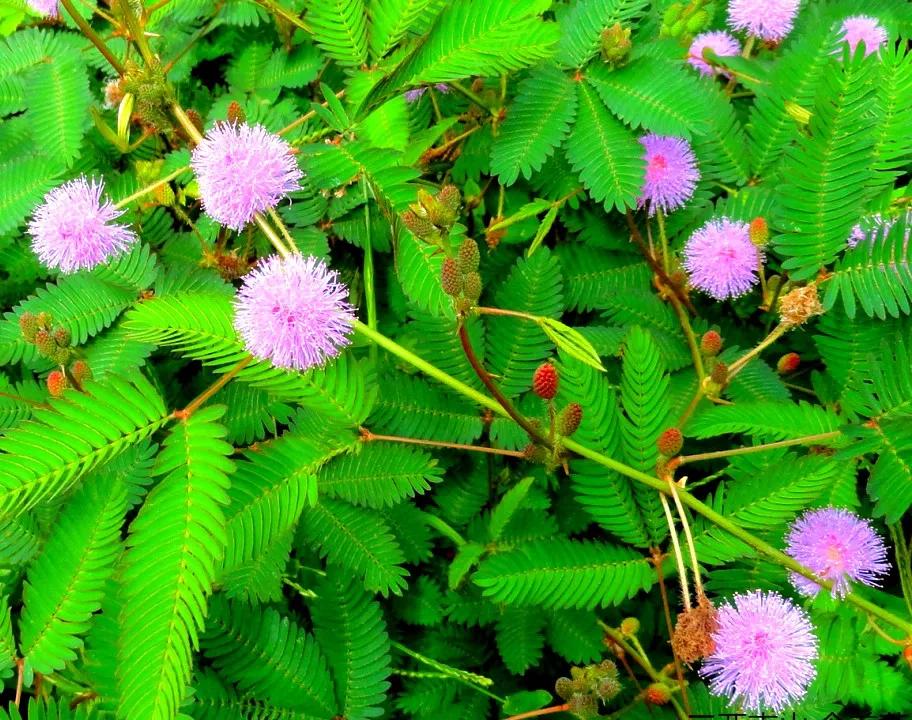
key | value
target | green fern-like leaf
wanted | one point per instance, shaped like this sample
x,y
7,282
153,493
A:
x,y
519,638
391,20
476,37
419,267
43,457
290,671
564,574
574,635
357,539
340,29
582,27
824,171
515,347
65,584
260,579
199,325
58,105
350,628
174,546
378,475
644,400
8,652
607,157
537,123
593,278
767,421
674,106
23,182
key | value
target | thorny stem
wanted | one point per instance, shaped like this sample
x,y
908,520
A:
x,y
642,661
212,390
93,37
687,499
370,295
739,364
663,238
489,383
277,219
539,713
657,559
272,235
689,410
151,188
695,354
806,440
368,436
679,556
473,97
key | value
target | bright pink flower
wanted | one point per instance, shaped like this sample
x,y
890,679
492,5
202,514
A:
x,y
720,42
721,260
769,20
862,28
671,172
44,7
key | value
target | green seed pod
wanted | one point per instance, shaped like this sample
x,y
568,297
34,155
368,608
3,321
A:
x,y
471,287
469,256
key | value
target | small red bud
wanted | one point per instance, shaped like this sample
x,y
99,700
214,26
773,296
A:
x,y
759,232
656,694
544,381
907,655
56,383
711,343
719,374
570,419
670,442
450,278
81,371
236,113
788,363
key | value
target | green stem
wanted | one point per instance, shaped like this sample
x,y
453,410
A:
x,y
370,295
137,33
736,367
482,310
277,219
444,529
695,354
903,562
666,257
368,436
151,188
687,499
473,97
806,440
272,235
93,37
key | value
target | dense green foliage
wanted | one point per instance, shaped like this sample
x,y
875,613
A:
x,y
276,549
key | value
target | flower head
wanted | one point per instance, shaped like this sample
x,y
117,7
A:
x,y
764,652
720,42
44,7
839,546
293,311
862,28
416,93
671,172
769,20
73,229
721,260
243,170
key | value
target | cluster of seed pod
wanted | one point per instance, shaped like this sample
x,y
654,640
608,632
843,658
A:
x,y
588,685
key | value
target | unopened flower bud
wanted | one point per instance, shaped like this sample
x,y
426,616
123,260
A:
x,y
563,688
656,694
56,383
62,337
81,371
788,363
630,627
236,114
670,442
469,256
583,706
616,44
450,198
570,419
759,232
711,343
719,374
164,195
420,227
607,688
544,381
450,278
471,287
44,342
28,325
44,320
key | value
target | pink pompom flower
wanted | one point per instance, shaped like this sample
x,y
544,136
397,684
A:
x,y
243,170
721,260
769,20
293,311
48,8
74,229
415,93
671,172
839,546
764,654
863,28
720,42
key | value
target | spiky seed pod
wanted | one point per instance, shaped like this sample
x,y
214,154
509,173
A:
x,y
62,337
670,442
450,197
607,688
570,419
692,637
81,371
56,383
563,688
719,374
469,256
711,343
44,342
450,278
471,287
630,626
788,363
759,231
544,381
584,706
236,113
656,694
28,326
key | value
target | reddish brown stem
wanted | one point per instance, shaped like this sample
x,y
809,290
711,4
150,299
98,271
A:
x,y
657,558
20,669
656,266
212,390
538,713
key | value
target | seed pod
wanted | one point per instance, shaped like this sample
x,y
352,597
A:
x,y
450,278
56,383
788,363
711,343
469,256
570,419
544,381
670,442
